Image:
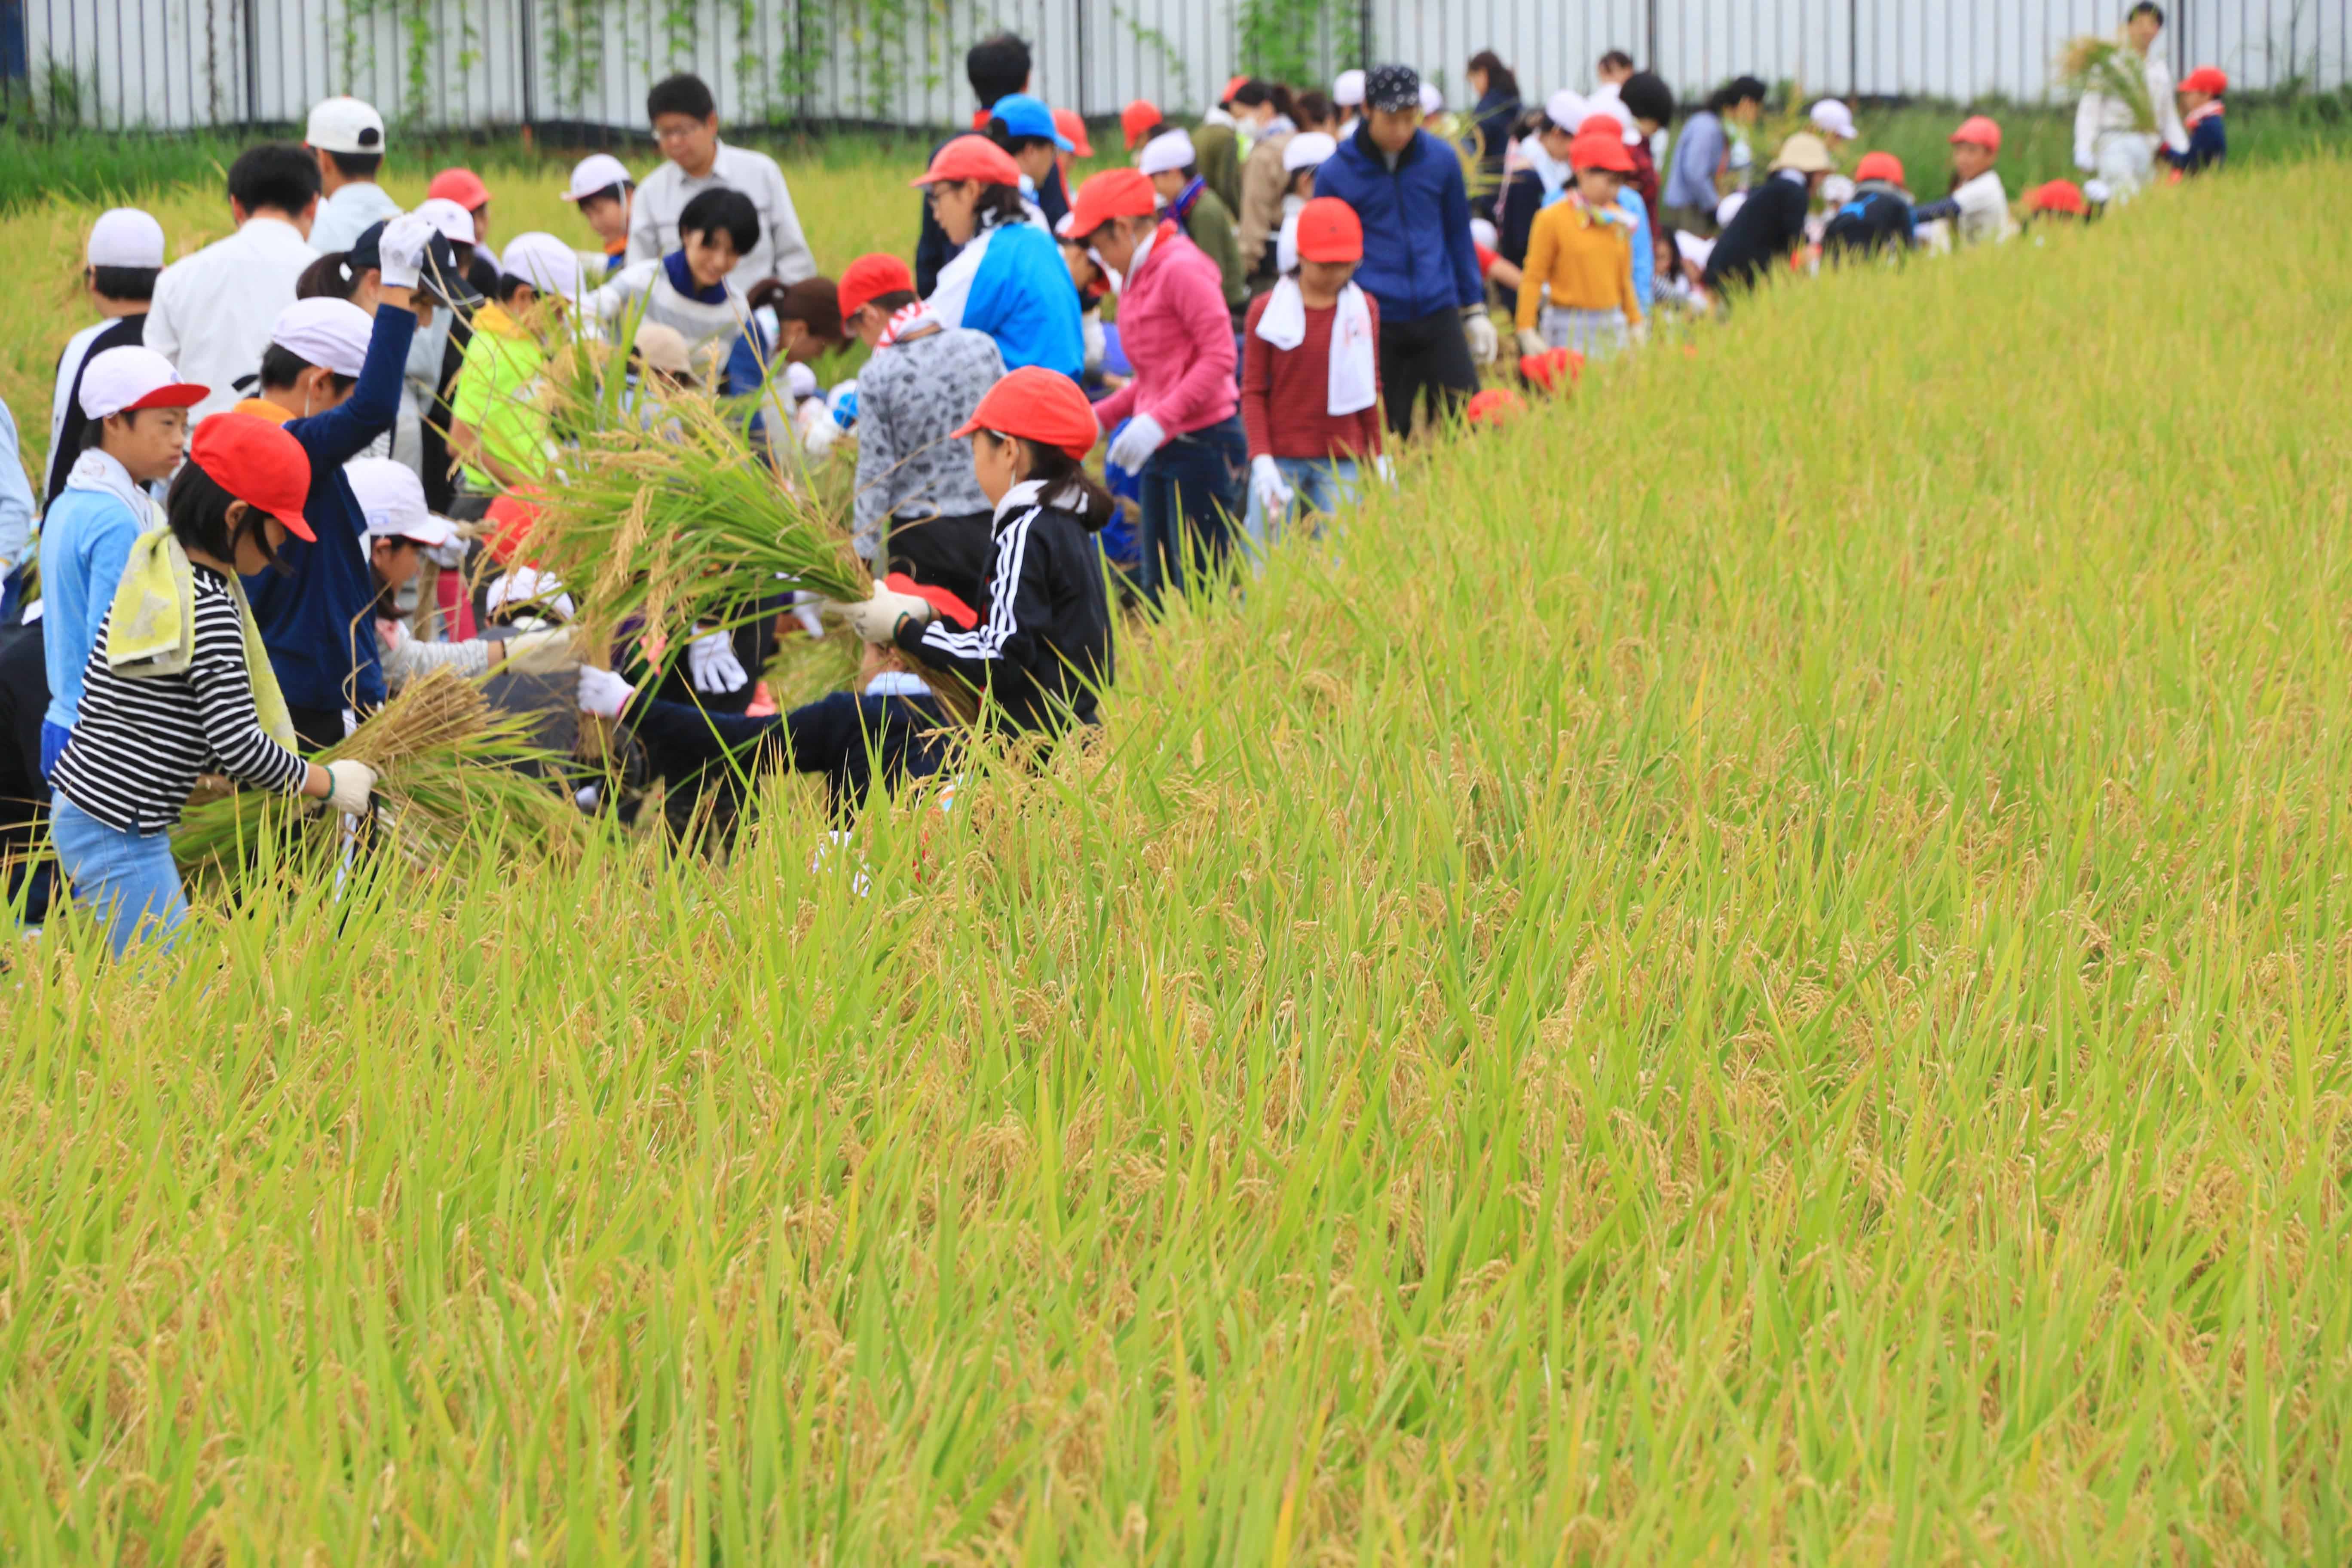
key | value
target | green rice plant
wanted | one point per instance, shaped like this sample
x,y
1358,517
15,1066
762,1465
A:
x,y
2106,65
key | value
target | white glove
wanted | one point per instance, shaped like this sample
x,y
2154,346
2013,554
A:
x,y
1385,466
711,659
1265,484
401,250
348,785
1136,443
603,694
820,436
1531,342
1479,328
876,620
541,653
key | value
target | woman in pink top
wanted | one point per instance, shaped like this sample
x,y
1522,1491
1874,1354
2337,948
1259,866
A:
x,y
1183,431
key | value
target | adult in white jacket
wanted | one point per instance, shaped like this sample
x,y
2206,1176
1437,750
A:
x,y
2108,142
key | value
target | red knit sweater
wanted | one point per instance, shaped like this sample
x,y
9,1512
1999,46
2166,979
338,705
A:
x,y
1285,393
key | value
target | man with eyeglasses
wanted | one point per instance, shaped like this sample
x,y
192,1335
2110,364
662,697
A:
x,y
685,124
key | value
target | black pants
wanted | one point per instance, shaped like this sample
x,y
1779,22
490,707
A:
x,y
1428,356
316,728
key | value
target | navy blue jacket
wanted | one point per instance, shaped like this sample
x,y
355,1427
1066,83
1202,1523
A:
x,y
842,736
2209,144
1418,255
317,623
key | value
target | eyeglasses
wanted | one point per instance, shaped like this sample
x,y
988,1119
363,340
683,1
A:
x,y
674,132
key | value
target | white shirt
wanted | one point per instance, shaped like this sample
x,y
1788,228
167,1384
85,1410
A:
x,y
213,311
69,367
349,214
1984,209
2101,117
782,251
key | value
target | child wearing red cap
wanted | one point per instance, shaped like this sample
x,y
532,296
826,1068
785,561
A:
x,y
2061,199
1311,377
1581,250
1978,205
918,504
1041,652
2200,116
178,684
1876,220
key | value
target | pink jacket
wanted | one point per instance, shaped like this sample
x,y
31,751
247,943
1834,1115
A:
x,y
1176,332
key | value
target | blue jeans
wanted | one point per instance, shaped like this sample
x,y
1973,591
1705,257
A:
x,y
1192,492
128,879
1319,487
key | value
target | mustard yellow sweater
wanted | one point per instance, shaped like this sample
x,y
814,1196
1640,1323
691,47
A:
x,y
1588,262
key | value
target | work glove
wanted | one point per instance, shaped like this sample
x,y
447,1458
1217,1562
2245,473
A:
x,y
348,785
876,620
541,653
1136,443
711,658
602,693
1479,328
1531,342
401,249
1266,483
1385,466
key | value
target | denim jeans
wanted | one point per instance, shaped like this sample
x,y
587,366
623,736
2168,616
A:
x,y
1191,493
127,880
1319,487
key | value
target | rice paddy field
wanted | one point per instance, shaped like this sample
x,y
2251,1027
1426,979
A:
x,y
1752,968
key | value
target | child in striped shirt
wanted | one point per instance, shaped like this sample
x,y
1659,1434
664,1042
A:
x,y
177,685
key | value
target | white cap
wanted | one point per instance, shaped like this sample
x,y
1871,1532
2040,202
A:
x,y
1832,118
801,380
125,237
449,219
1483,232
1432,101
1348,91
1169,150
526,585
1837,190
392,498
1308,150
345,125
1565,109
597,172
1615,109
1728,209
133,377
324,331
544,262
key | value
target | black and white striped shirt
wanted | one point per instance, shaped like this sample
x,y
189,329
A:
x,y
138,744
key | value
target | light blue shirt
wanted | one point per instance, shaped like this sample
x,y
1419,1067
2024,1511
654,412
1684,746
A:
x,y
85,545
16,497
1645,254
1699,151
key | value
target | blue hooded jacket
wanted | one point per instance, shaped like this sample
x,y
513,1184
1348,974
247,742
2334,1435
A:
x,y
1012,284
1419,258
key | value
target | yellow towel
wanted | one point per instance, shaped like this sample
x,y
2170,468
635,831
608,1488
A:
x,y
152,630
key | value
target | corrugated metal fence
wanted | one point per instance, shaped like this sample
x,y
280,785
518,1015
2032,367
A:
x,y
463,64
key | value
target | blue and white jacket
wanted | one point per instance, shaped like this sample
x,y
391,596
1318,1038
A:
x,y
1011,283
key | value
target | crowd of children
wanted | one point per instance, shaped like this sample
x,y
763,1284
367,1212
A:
x,y
255,451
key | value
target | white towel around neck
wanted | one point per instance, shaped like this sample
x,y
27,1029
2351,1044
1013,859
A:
x,y
1354,380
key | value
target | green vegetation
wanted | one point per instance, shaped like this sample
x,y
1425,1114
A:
x,y
1749,968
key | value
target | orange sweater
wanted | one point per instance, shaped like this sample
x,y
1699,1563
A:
x,y
1588,263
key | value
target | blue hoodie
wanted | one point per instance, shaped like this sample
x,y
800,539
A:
x,y
1419,258
1011,283
316,622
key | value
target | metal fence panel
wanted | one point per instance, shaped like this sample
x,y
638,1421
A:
x,y
465,64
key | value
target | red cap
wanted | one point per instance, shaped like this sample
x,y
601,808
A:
x,y
2208,79
460,185
868,277
1880,167
1233,86
1039,405
1073,132
1601,148
1553,368
1329,230
947,604
1980,130
1114,193
971,158
258,463
1138,119
2058,197
1494,406
511,518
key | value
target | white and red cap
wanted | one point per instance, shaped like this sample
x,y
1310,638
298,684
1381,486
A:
x,y
1167,153
392,499
451,221
344,125
125,237
544,262
325,331
125,380
596,174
